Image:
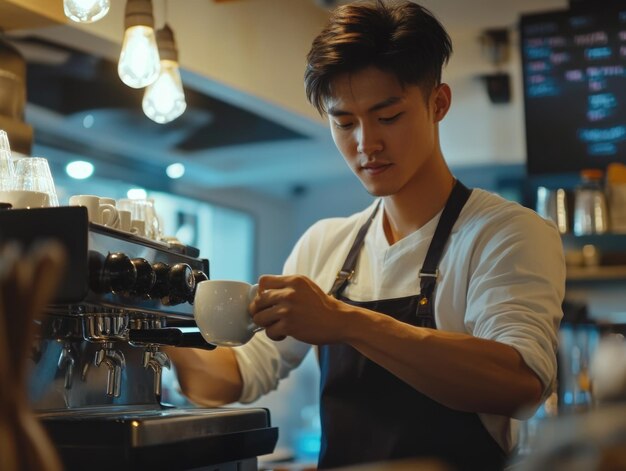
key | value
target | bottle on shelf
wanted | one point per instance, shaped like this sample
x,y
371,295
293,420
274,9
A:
x,y
616,189
590,204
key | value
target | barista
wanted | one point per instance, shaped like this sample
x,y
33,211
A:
x,y
435,310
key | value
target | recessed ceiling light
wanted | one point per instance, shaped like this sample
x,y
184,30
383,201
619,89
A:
x,y
176,170
88,121
79,169
137,194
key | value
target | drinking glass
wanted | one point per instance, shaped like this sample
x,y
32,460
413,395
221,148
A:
x,y
33,174
143,210
7,171
155,221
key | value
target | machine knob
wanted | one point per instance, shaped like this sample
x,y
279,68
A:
x,y
118,274
96,271
145,277
161,286
198,276
182,283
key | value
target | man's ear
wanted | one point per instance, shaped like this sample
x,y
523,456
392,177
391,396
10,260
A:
x,y
442,99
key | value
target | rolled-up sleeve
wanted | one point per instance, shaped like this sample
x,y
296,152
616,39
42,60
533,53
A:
x,y
263,362
516,292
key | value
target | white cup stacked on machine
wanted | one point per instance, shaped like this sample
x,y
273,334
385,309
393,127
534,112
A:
x,y
136,216
99,210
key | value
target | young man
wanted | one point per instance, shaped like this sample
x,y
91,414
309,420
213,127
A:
x,y
436,309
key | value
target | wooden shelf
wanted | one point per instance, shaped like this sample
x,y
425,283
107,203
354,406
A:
x,y
599,273
610,242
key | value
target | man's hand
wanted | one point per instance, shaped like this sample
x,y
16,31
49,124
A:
x,y
295,306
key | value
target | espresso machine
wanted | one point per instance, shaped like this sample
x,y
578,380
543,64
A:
x,y
97,362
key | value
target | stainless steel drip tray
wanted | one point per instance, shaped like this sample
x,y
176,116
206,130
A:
x,y
177,438
141,428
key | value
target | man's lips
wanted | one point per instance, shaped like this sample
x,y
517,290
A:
x,y
375,169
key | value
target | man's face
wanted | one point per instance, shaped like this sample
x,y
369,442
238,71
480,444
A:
x,y
386,133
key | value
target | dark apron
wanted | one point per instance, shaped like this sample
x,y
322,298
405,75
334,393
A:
x,y
369,414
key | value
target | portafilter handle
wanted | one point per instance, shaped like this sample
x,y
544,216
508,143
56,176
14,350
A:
x,y
171,336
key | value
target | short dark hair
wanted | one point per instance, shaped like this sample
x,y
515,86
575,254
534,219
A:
x,y
403,38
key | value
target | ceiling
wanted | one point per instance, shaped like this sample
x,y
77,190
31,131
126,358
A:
x,y
80,109
226,137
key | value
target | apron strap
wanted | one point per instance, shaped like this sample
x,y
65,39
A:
x,y
349,264
429,272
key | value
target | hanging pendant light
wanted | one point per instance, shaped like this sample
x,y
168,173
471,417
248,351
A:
x,y
164,100
86,11
139,63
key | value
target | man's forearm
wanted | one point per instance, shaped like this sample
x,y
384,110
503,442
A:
x,y
207,377
458,370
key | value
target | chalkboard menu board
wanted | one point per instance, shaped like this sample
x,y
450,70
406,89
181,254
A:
x,y
574,67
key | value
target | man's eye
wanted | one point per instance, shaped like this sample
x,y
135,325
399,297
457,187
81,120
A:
x,y
391,119
342,125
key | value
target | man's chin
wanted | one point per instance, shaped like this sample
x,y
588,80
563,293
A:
x,y
377,192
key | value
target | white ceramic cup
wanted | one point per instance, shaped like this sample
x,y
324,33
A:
x,y
220,309
138,227
125,220
25,199
110,201
99,213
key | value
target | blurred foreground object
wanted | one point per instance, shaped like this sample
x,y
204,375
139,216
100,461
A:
x,y
418,464
608,370
28,281
591,441
594,440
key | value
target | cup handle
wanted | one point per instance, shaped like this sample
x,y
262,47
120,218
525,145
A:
x,y
252,327
109,216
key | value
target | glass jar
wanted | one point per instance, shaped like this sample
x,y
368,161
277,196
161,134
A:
x,y
590,205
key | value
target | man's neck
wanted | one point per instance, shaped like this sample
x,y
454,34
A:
x,y
408,210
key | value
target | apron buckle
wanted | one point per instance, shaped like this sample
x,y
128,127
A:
x,y
345,275
424,274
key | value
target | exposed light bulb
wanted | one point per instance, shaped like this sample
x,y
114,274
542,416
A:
x,y
137,194
86,11
164,100
139,63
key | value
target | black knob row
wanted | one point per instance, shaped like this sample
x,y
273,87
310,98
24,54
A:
x,y
175,284
136,277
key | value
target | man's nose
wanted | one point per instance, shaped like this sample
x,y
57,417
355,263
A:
x,y
368,142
